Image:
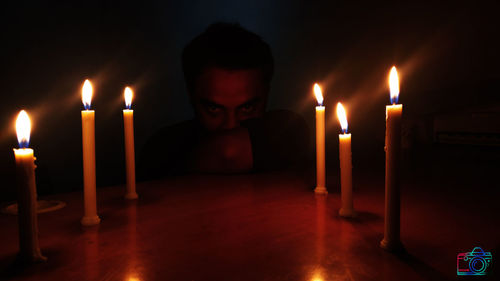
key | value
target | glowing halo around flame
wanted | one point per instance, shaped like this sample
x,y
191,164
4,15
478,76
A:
x,y
128,97
394,85
87,94
318,94
23,129
342,116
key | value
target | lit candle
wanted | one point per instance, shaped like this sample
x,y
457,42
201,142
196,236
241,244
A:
x,y
128,124
88,142
345,157
391,241
26,193
320,142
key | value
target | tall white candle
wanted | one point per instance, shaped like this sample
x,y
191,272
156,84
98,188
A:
x,y
29,248
128,124
345,157
320,143
90,216
391,241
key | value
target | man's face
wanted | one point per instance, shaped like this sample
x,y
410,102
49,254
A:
x,y
223,98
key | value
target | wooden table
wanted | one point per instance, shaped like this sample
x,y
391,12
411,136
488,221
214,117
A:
x,y
247,227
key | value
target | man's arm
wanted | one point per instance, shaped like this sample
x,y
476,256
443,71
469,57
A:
x,y
223,152
279,140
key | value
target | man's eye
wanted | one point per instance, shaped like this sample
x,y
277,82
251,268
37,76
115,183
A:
x,y
213,108
247,108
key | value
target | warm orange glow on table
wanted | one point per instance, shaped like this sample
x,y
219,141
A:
x,y
88,144
394,112
26,193
320,142
128,125
345,157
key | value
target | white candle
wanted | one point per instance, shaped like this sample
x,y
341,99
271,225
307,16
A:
x,y
391,241
128,124
90,216
320,143
29,248
345,157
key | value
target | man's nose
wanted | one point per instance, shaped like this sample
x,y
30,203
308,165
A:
x,y
231,121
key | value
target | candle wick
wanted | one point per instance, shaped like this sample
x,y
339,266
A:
x,y
23,144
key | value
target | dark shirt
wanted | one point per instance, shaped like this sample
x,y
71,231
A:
x,y
279,140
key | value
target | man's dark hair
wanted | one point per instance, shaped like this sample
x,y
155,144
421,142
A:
x,y
228,46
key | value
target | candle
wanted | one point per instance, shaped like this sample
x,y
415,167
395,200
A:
x,y
391,241
320,142
128,124
26,193
88,143
345,157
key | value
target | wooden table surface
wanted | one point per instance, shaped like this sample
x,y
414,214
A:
x,y
247,227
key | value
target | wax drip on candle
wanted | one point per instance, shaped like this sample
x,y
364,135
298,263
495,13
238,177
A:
x,y
87,94
23,129
128,97
318,94
394,85
342,116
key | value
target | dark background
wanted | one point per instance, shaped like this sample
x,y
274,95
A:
x,y
447,56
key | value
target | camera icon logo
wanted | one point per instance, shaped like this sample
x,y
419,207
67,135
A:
x,y
473,263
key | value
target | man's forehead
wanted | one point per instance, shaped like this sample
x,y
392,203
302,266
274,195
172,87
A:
x,y
230,87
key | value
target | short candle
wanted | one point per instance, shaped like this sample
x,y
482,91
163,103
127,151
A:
x,y
345,158
128,125
320,142
29,249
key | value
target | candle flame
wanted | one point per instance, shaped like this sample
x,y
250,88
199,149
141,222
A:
x,y
23,129
87,94
342,116
318,94
128,97
394,85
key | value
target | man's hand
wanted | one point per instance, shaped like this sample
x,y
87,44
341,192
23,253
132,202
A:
x,y
228,151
